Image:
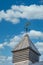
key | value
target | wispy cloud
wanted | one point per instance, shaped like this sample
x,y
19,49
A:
x,y
16,12
5,59
12,42
17,38
36,34
2,45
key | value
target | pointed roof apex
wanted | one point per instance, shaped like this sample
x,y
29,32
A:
x,y
26,35
26,43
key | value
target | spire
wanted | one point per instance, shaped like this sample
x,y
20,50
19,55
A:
x,y
26,43
25,51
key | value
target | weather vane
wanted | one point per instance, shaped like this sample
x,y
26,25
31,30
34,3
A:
x,y
26,26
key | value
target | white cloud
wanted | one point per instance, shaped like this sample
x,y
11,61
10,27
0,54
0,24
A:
x,y
39,45
41,58
5,59
9,58
2,45
27,12
16,39
2,58
36,34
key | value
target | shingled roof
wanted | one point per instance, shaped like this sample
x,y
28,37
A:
x,y
26,43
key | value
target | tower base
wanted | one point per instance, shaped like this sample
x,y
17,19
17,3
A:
x,y
27,62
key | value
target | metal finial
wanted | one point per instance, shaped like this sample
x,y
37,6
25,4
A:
x,y
26,26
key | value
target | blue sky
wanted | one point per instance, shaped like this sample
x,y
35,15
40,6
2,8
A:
x,y
13,16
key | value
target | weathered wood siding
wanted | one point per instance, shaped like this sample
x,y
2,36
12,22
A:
x,y
21,55
25,54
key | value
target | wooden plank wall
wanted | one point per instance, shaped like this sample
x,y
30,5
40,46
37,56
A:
x,y
33,56
21,55
25,54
